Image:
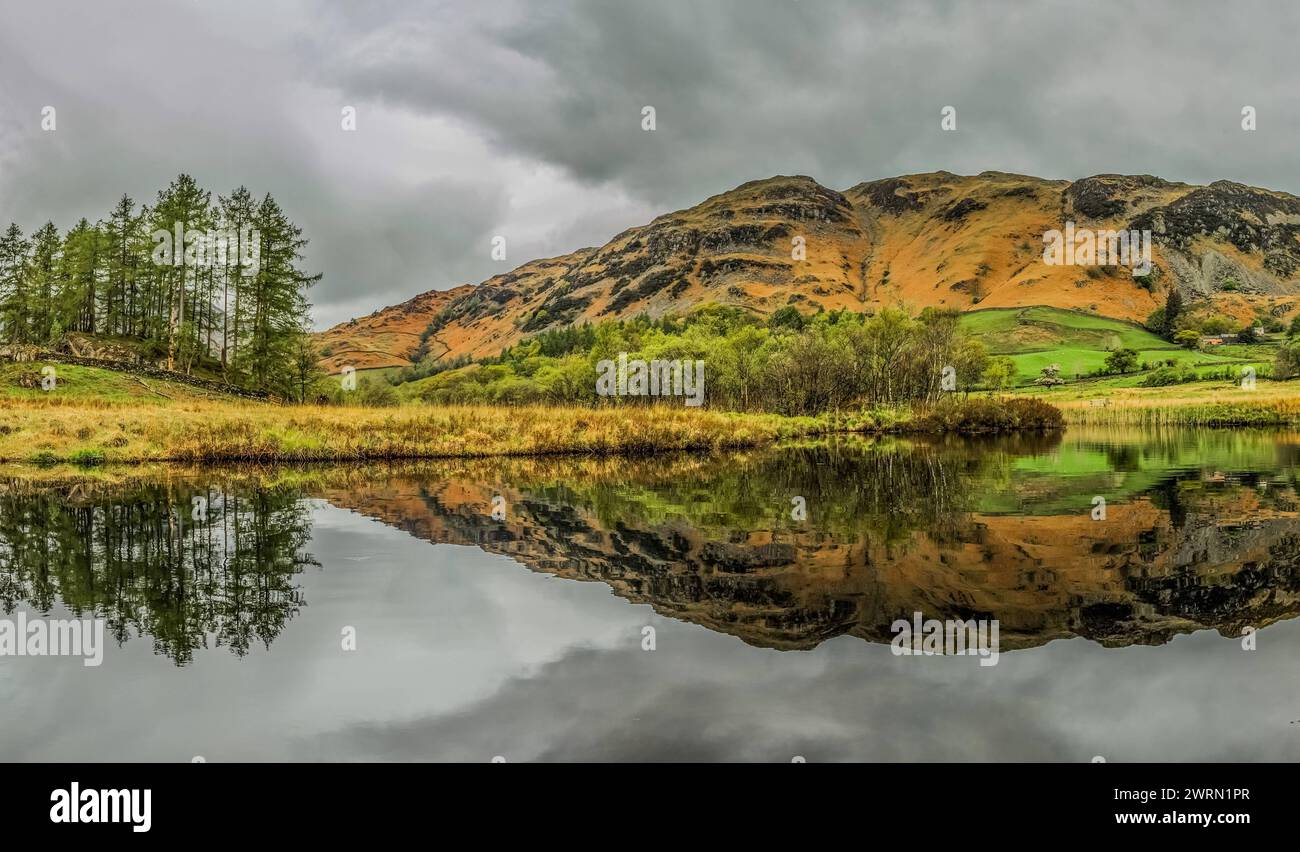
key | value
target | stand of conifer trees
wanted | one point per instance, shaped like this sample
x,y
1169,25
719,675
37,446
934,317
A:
x,y
200,306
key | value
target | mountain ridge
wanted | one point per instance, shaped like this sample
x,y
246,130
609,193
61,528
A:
x,y
929,239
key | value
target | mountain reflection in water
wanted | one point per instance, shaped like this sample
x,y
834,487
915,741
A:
x,y
1201,532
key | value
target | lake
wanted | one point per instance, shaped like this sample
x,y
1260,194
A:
x,y
735,607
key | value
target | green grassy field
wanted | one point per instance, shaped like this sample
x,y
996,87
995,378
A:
x,y
1079,343
75,384
376,374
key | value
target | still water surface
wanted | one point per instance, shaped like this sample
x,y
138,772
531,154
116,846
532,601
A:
x,y
521,635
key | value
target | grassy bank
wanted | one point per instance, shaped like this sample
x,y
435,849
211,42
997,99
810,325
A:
x,y
98,417
78,385
1197,404
89,433
198,431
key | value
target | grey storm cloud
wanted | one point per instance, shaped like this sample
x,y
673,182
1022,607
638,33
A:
x,y
846,92
524,119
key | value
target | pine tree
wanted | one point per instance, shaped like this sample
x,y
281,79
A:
x,y
1173,308
182,210
119,238
14,296
304,363
237,213
75,302
46,251
277,291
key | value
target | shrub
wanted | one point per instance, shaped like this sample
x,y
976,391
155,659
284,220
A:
x,y
1000,373
1156,322
786,317
1234,373
1050,376
1287,363
1216,325
985,414
43,458
376,393
1171,375
87,458
1122,361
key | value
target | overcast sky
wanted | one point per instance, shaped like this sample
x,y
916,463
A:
x,y
481,118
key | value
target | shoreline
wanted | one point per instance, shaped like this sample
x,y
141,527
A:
x,y
88,434
94,435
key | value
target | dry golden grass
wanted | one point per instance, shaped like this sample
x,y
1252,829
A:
x,y
202,431
1199,404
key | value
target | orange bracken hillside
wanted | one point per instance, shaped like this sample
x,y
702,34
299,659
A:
x,y
932,239
386,338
